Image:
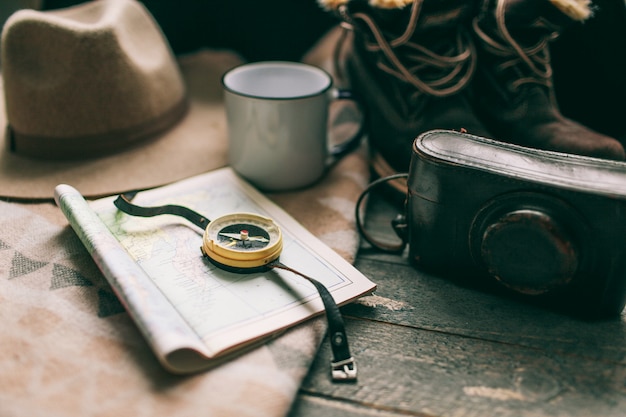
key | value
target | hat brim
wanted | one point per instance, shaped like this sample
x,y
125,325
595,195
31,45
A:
x,y
197,144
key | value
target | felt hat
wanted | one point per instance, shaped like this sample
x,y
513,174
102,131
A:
x,y
94,97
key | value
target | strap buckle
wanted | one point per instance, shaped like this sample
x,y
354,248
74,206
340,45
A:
x,y
343,370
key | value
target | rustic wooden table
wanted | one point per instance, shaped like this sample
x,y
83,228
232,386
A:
x,y
429,347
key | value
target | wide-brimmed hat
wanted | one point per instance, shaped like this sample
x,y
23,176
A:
x,y
94,97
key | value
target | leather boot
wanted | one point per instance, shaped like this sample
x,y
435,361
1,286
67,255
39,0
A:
x,y
410,63
513,90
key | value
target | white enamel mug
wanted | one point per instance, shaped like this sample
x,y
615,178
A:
x,y
277,114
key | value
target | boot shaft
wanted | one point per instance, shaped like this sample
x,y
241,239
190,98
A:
x,y
530,21
393,18
513,91
410,62
513,38
425,45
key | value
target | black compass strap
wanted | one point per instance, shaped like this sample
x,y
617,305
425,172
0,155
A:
x,y
122,203
343,366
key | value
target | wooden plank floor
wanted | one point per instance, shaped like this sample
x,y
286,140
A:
x,y
426,346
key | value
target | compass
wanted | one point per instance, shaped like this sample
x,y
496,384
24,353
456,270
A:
x,y
247,243
242,241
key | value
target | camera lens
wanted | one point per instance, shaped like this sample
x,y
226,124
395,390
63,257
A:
x,y
528,251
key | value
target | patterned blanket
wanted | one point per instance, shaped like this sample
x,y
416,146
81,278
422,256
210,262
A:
x,y
69,349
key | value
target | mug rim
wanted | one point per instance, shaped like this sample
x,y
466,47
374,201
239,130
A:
x,y
292,64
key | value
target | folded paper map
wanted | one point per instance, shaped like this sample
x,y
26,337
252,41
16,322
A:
x,y
193,314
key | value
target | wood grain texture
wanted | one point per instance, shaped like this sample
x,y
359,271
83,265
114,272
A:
x,y
429,346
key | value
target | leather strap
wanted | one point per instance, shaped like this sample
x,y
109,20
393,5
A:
x,y
343,366
122,203
399,223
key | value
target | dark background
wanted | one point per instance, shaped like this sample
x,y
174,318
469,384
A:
x,y
589,60
589,63
258,30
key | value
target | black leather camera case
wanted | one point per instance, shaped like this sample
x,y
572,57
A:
x,y
544,224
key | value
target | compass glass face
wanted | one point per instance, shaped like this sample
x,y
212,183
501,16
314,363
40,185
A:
x,y
242,241
243,237
243,233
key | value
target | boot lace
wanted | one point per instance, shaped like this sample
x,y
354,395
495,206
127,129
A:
x,y
452,71
535,58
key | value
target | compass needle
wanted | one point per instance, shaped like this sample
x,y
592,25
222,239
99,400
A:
x,y
235,236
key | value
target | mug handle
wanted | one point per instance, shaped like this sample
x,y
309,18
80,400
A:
x,y
348,145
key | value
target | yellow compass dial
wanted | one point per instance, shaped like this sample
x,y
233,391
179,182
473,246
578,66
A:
x,y
242,240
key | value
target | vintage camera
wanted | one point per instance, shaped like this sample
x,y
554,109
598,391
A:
x,y
546,225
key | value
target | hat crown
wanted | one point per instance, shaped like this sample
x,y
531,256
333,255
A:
x,y
98,75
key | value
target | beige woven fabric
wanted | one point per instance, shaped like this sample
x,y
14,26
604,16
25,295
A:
x,y
68,348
